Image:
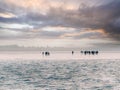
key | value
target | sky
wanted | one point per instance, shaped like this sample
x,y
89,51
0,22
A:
x,y
81,24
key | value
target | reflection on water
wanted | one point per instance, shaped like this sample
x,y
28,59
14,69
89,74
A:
x,y
60,75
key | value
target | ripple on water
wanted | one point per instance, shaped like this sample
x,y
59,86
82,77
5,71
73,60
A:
x,y
53,75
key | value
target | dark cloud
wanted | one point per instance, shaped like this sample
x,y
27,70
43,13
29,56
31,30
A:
x,y
10,20
112,22
105,17
99,17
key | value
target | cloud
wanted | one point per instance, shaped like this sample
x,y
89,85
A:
x,y
104,17
7,15
15,26
87,33
40,14
111,19
9,34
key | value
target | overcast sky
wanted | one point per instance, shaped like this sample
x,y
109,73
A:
x,y
60,23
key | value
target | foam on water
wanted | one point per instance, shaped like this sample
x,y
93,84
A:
x,y
60,75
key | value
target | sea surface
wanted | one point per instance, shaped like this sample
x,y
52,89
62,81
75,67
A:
x,y
59,74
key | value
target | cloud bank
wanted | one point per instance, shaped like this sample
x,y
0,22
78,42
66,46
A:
x,y
60,19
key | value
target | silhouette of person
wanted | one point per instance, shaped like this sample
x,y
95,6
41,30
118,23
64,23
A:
x,y
85,52
97,52
72,52
89,52
82,52
42,53
92,52
47,53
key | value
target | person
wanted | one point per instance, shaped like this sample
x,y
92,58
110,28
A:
x,y
82,52
42,53
72,52
47,53
96,52
93,52
89,52
85,52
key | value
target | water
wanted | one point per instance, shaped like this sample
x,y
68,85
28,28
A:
x,y
60,75
28,55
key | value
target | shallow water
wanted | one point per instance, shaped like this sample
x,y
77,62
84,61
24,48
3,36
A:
x,y
55,55
60,75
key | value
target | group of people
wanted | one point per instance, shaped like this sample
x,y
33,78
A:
x,y
90,52
46,53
